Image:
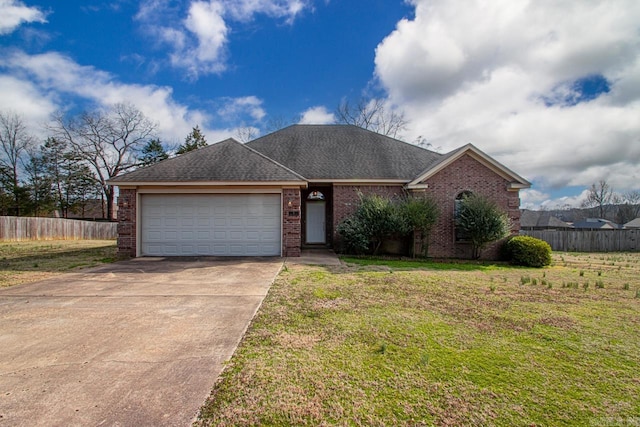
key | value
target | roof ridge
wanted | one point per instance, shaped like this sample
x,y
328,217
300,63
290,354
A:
x,y
347,125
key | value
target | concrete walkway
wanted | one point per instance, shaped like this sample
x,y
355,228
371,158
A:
x,y
315,257
134,343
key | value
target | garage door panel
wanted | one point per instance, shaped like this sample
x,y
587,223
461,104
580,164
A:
x,y
270,222
204,235
210,225
187,222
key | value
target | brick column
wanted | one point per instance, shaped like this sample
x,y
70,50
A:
x,y
291,228
127,223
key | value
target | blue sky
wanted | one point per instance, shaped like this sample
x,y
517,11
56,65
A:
x,y
551,89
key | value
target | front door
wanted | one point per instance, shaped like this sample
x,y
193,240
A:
x,y
315,222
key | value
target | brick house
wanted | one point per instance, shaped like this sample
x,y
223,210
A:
x,y
291,188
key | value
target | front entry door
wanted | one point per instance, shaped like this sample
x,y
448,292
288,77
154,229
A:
x,y
315,222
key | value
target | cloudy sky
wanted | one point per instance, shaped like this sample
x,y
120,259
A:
x,y
550,88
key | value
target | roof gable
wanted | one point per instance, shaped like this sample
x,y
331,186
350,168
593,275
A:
x,y
228,160
517,182
344,152
634,223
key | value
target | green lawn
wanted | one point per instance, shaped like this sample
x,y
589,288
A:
x,y
29,261
418,343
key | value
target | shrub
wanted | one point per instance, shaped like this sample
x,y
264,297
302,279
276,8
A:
x,y
355,238
420,213
481,221
379,218
529,251
376,219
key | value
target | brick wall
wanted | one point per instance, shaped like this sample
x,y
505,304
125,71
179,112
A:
x,y
291,228
127,223
467,174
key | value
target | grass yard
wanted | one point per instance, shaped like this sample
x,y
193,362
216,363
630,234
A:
x,y
419,343
29,261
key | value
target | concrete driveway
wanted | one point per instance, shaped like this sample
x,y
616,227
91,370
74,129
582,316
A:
x,y
138,342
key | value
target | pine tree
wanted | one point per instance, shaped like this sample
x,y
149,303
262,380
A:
x,y
152,153
193,141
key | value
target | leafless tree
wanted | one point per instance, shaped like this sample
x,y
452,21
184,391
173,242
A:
x,y
278,122
15,140
246,133
421,141
632,198
632,204
600,196
373,114
107,141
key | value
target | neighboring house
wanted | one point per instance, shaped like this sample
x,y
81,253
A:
x,y
292,188
635,223
541,220
596,224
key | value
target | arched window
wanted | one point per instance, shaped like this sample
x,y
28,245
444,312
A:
x,y
460,235
315,195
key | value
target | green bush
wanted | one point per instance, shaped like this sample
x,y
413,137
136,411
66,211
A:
x,y
420,214
528,251
355,238
481,221
378,219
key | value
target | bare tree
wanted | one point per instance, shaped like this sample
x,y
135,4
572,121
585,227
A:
x,y
14,143
107,141
372,114
632,197
600,196
278,122
422,142
630,209
246,133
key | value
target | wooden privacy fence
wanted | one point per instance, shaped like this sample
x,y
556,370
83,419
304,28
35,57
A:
x,y
588,240
27,228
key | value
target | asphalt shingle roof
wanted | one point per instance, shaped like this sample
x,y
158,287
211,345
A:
x,y
344,152
540,219
228,160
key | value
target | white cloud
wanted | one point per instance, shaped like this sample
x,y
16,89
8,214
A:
x,y
198,40
38,85
506,74
317,116
205,22
238,108
14,13
245,10
566,201
26,100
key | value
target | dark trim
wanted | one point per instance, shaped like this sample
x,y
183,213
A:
x,y
327,190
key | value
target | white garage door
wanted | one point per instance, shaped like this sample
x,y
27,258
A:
x,y
210,224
